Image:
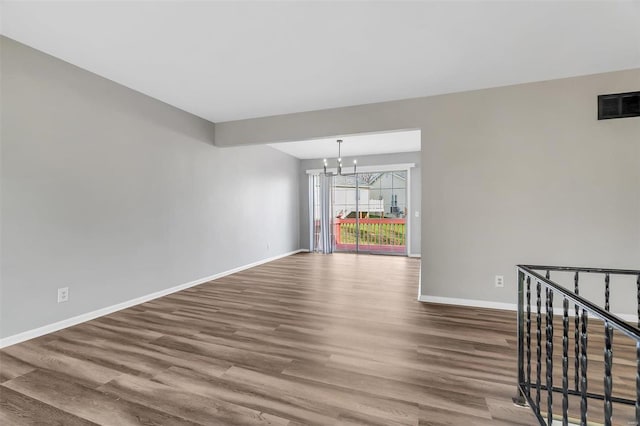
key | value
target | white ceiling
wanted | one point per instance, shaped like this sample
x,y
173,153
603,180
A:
x,y
232,60
353,145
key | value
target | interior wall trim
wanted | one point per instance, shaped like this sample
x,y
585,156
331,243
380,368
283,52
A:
x,y
59,325
468,302
503,306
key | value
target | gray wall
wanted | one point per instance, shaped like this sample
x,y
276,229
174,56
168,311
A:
x,y
368,160
518,174
118,195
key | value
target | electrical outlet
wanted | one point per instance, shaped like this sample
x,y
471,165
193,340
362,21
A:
x,y
63,294
499,281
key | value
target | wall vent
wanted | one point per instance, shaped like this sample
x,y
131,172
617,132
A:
x,y
619,105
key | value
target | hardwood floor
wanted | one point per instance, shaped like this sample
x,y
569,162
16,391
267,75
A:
x,y
308,339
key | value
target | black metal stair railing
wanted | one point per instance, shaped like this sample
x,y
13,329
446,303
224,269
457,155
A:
x,y
531,389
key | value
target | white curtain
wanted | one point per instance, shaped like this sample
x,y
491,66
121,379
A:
x,y
325,243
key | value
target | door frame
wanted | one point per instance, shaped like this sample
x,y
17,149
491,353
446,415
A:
x,y
367,169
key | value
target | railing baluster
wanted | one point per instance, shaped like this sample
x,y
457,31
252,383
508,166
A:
x,y
539,345
549,334
608,384
565,362
606,292
520,398
528,336
607,356
576,335
583,368
638,381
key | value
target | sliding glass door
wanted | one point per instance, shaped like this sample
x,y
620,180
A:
x,y
347,196
368,213
383,224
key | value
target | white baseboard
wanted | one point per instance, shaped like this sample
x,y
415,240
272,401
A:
x,y
504,306
50,328
468,302
420,282
414,255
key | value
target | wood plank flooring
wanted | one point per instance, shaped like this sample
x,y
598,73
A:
x,y
305,340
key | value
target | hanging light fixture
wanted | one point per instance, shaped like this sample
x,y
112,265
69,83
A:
x,y
339,165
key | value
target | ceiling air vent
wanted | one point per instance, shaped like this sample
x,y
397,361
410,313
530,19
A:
x,y
619,105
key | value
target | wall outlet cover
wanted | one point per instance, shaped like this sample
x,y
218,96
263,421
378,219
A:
x,y
63,294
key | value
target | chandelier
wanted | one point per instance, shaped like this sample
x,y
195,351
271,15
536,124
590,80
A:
x,y
339,166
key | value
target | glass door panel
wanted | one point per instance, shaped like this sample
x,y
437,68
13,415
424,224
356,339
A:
x,y
345,208
384,225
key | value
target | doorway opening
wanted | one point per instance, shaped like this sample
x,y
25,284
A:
x,y
372,208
